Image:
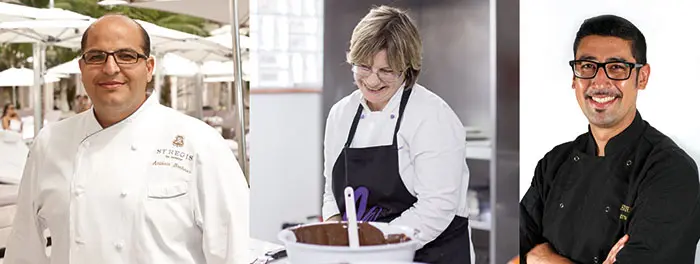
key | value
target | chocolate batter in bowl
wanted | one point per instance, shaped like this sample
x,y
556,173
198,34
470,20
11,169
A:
x,y
327,242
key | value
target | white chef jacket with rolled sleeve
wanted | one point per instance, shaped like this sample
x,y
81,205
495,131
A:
x,y
157,187
432,157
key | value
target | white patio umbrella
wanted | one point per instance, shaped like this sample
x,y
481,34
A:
x,y
14,12
23,77
216,10
223,36
66,68
188,46
10,15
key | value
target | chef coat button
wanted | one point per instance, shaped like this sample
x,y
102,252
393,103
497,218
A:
x,y
392,116
607,209
628,163
78,191
561,205
133,147
576,158
123,194
595,260
119,245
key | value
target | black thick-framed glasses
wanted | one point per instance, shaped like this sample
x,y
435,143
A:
x,y
614,70
120,56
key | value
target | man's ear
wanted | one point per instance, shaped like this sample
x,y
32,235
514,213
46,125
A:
x,y
150,65
643,77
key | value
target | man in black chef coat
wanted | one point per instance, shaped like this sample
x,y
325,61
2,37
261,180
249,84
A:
x,y
623,192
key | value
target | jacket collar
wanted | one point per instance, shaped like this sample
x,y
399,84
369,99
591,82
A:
x,y
621,141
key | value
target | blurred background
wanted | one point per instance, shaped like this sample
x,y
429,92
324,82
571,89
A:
x,y
549,112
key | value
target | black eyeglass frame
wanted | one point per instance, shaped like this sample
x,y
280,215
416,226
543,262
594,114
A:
x,y
631,65
113,53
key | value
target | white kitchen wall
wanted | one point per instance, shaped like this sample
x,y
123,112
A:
x,y
285,126
549,114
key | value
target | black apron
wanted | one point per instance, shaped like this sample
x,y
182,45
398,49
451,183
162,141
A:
x,y
381,195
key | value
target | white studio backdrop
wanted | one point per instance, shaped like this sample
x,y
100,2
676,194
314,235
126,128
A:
x,y
549,113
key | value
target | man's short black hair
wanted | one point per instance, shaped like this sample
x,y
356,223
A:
x,y
145,45
614,26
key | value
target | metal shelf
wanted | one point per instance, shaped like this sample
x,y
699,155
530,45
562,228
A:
x,y
479,150
480,225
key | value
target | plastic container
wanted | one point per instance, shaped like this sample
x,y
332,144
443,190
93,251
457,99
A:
x,y
302,253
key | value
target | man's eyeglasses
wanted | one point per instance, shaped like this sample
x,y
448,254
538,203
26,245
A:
x,y
387,76
120,56
614,70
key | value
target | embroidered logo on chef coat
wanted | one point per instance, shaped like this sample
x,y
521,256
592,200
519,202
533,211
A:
x,y
179,141
625,212
174,158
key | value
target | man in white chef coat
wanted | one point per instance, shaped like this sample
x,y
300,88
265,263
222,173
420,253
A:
x,y
129,181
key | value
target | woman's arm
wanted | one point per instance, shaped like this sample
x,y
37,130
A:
x,y
437,151
5,123
329,208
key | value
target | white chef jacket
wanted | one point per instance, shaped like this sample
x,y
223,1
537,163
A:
x,y
15,125
432,157
157,187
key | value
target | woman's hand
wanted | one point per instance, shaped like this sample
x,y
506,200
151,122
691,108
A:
x,y
335,218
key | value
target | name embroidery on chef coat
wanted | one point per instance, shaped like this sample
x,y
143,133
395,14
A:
x,y
173,157
625,212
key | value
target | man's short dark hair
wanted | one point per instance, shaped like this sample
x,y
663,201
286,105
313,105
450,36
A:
x,y
145,45
614,26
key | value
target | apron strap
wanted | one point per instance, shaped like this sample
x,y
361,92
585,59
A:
x,y
353,128
402,106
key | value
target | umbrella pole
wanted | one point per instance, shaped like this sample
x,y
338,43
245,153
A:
x,y
238,79
229,96
158,82
14,96
173,92
198,93
36,92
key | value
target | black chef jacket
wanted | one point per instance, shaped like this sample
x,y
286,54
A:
x,y
645,186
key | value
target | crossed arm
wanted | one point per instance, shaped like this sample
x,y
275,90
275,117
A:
x,y
662,229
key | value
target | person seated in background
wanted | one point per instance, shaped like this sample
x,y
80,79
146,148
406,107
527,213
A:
x,y
82,103
10,119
